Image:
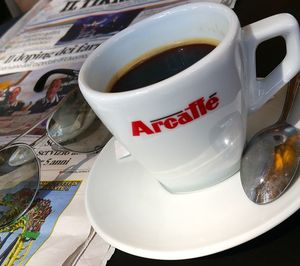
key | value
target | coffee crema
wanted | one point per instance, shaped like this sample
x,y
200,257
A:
x,y
160,64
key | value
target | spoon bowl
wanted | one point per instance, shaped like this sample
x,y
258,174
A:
x,y
271,158
270,163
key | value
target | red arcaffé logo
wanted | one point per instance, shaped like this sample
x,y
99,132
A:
x,y
193,111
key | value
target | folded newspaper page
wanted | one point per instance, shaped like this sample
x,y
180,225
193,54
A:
x,y
56,34
68,31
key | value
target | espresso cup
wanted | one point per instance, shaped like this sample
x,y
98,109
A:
x,y
189,128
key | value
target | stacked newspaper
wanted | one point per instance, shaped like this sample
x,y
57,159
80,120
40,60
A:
x,y
57,34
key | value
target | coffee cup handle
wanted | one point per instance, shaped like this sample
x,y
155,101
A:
x,y
285,25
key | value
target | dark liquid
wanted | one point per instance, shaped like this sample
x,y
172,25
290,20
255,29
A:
x,y
160,66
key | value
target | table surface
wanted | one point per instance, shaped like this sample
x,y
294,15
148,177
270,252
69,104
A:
x,y
279,246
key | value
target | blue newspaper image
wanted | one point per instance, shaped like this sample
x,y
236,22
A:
x,y
20,241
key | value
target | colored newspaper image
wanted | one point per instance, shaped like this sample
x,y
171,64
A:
x,y
19,241
21,108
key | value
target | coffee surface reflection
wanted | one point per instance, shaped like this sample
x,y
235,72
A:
x,y
160,64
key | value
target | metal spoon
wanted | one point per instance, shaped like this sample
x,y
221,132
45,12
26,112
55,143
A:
x,y
78,252
271,158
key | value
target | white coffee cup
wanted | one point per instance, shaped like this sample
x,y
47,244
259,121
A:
x,y
189,130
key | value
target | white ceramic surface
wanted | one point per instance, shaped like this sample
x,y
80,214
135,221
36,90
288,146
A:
x,y
129,209
187,124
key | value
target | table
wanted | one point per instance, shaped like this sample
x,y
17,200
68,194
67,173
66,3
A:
x,y
279,246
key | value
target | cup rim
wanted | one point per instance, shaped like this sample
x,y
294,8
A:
x,y
218,51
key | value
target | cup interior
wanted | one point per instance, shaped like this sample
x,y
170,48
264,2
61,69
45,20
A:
x,y
194,21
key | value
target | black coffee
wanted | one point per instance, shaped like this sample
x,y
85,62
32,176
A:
x,y
160,66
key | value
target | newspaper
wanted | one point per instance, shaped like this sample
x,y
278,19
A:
x,y
68,31
57,34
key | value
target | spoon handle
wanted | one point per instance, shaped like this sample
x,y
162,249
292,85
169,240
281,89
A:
x,y
291,94
73,259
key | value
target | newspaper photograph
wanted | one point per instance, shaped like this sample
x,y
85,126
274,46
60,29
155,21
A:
x,y
24,238
21,108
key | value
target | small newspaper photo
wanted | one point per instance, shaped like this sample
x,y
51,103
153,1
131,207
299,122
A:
x,y
56,34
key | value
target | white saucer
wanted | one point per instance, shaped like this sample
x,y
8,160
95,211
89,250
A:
x,y
132,212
